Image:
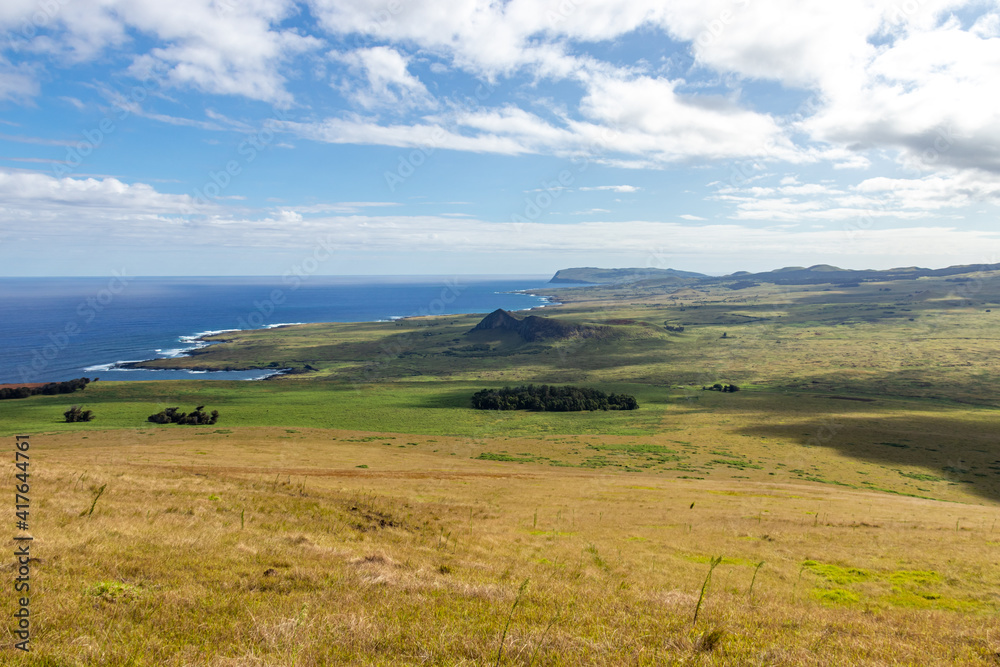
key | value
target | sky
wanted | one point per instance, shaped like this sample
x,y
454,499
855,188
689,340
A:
x,y
364,137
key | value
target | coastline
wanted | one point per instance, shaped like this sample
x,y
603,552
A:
x,y
200,342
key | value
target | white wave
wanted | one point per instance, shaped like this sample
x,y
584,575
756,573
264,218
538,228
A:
x,y
114,366
100,367
280,371
195,338
283,324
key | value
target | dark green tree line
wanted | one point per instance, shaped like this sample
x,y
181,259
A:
x,y
48,389
551,398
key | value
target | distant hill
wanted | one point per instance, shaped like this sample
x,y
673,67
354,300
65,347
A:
x,y
789,275
533,328
589,274
824,273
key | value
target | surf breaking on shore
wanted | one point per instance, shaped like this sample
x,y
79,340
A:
x,y
194,342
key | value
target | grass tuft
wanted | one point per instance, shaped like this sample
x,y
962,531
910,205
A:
x,y
704,587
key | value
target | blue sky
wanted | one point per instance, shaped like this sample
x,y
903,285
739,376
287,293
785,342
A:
x,y
202,137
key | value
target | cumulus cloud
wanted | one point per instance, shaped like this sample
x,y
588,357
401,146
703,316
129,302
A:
x,y
222,47
946,193
882,74
930,95
42,195
388,81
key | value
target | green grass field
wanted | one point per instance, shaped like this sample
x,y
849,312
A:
x,y
361,512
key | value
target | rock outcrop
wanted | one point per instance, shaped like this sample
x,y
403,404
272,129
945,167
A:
x,y
533,328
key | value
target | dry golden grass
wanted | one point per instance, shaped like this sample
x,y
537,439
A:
x,y
271,547
851,490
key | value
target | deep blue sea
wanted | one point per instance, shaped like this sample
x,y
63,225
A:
x,y
55,329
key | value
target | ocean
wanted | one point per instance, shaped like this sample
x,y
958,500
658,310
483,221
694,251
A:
x,y
55,329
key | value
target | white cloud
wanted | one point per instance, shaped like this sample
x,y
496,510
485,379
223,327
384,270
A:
x,y
18,83
987,26
879,83
138,215
930,95
649,117
940,191
424,136
223,47
482,37
343,207
389,82
612,188
947,193
236,53
46,196
635,123
884,73
41,141
622,112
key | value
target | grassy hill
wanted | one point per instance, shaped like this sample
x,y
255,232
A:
x,y
598,276
360,511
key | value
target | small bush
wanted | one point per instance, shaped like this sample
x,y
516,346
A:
x,y
75,414
721,387
197,418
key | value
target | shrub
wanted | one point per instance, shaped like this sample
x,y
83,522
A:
x,y
197,418
721,387
75,414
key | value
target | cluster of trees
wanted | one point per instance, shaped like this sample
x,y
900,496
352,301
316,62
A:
x,y
551,398
75,414
49,389
721,387
197,418
673,328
